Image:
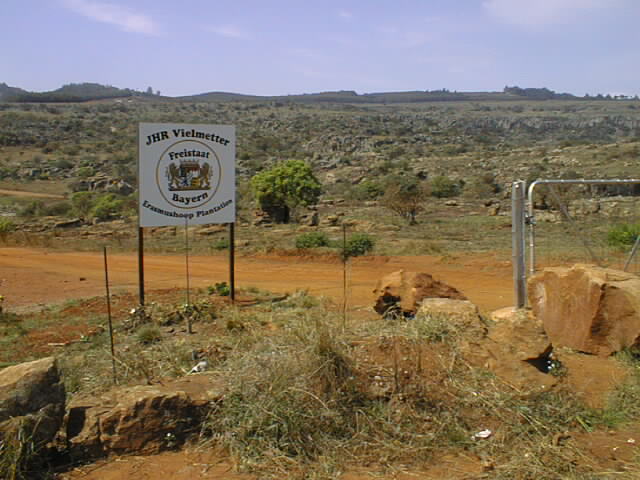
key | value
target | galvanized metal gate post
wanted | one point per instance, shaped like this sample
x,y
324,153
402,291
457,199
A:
x,y
518,196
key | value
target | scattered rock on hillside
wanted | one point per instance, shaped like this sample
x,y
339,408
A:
x,y
32,400
141,419
406,290
210,230
589,309
76,222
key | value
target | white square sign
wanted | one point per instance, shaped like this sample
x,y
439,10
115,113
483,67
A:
x,y
186,174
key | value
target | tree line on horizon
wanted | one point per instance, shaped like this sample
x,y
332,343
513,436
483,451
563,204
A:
x,y
84,92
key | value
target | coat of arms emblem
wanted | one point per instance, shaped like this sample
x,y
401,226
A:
x,y
189,175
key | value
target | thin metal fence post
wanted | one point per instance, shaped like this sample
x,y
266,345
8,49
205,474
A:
x,y
518,242
110,322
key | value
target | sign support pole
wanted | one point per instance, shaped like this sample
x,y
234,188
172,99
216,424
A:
x,y
186,261
232,261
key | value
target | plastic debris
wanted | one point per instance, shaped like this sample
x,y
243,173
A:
x,y
483,434
201,366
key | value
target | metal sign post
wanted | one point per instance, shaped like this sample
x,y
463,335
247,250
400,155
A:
x,y
232,262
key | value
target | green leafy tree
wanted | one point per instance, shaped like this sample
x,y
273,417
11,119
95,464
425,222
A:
x,y
284,187
107,207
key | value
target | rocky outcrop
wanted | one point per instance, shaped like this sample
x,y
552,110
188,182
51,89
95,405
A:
x,y
32,400
141,419
406,290
589,309
516,350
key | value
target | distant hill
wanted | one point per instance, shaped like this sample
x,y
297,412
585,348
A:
x,y
349,96
73,92
83,92
7,92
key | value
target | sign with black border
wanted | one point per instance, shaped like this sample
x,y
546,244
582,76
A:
x,y
186,174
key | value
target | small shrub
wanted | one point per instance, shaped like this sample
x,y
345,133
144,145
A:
x,y
58,209
367,190
221,244
312,240
85,172
358,244
443,187
34,208
149,334
107,206
220,288
623,235
6,226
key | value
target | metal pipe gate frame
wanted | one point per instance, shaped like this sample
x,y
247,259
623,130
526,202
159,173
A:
x,y
523,215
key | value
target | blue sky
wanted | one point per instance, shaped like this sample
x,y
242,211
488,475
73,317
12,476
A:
x,y
288,47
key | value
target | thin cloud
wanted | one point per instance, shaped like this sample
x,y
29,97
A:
x,y
230,31
345,14
117,15
540,13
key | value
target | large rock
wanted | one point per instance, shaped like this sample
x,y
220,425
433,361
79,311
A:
x,y
586,308
515,350
32,400
141,419
407,290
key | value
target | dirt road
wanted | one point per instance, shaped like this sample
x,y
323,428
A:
x,y
22,193
31,277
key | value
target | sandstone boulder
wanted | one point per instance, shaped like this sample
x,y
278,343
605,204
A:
x,y
406,290
586,308
516,350
32,398
141,419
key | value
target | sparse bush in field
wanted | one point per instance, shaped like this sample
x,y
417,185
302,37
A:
x,y
367,190
406,198
82,203
312,240
482,187
220,244
107,206
358,244
220,288
85,172
6,226
149,334
443,187
63,164
623,235
58,209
